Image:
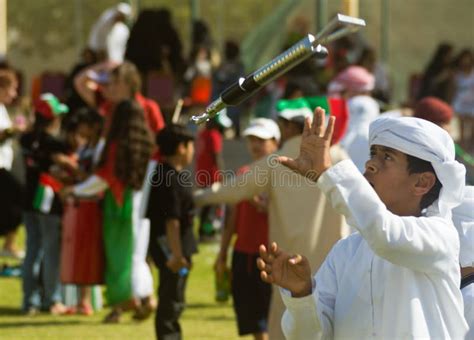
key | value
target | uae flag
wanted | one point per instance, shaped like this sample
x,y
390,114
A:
x,y
305,106
48,186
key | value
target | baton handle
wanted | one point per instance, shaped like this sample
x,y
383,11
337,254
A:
x,y
246,87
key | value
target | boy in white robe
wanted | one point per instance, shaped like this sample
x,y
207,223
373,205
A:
x,y
398,278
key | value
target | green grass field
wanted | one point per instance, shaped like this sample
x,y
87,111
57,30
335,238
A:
x,y
203,318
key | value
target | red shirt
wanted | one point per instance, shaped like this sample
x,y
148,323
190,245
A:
x,y
153,114
208,145
152,111
251,225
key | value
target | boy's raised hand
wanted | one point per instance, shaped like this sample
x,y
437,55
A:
x,y
314,156
289,272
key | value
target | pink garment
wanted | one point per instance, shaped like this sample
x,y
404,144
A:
x,y
353,78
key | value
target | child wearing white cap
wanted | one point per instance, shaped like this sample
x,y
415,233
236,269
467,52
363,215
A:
x,y
248,219
398,277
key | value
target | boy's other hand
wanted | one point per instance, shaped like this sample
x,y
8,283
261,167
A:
x,y
175,263
289,272
314,156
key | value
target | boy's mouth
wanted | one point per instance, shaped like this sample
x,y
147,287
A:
x,y
371,184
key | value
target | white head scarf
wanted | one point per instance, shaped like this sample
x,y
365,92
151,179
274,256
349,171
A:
x,y
362,111
427,141
463,219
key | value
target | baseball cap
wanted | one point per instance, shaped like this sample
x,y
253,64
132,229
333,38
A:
x,y
263,128
294,110
298,109
48,106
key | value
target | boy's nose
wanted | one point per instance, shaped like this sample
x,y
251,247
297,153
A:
x,y
370,166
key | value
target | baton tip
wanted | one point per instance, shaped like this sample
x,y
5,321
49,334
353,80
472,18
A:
x,y
199,119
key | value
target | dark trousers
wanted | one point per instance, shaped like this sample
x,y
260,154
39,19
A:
x,y
205,222
250,294
171,291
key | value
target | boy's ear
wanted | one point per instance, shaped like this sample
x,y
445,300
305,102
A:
x,y
181,149
425,181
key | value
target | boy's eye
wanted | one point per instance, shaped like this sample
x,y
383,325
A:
x,y
371,153
387,157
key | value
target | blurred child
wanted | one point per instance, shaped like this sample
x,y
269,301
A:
x,y
121,174
42,150
82,133
10,197
209,163
249,221
103,86
171,213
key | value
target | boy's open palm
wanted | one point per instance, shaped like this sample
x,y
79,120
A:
x,y
314,156
289,272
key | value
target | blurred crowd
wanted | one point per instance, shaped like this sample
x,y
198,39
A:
x,y
112,143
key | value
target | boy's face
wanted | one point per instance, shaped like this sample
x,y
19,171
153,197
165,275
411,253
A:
x,y
8,94
387,172
188,152
259,147
54,126
83,135
288,129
